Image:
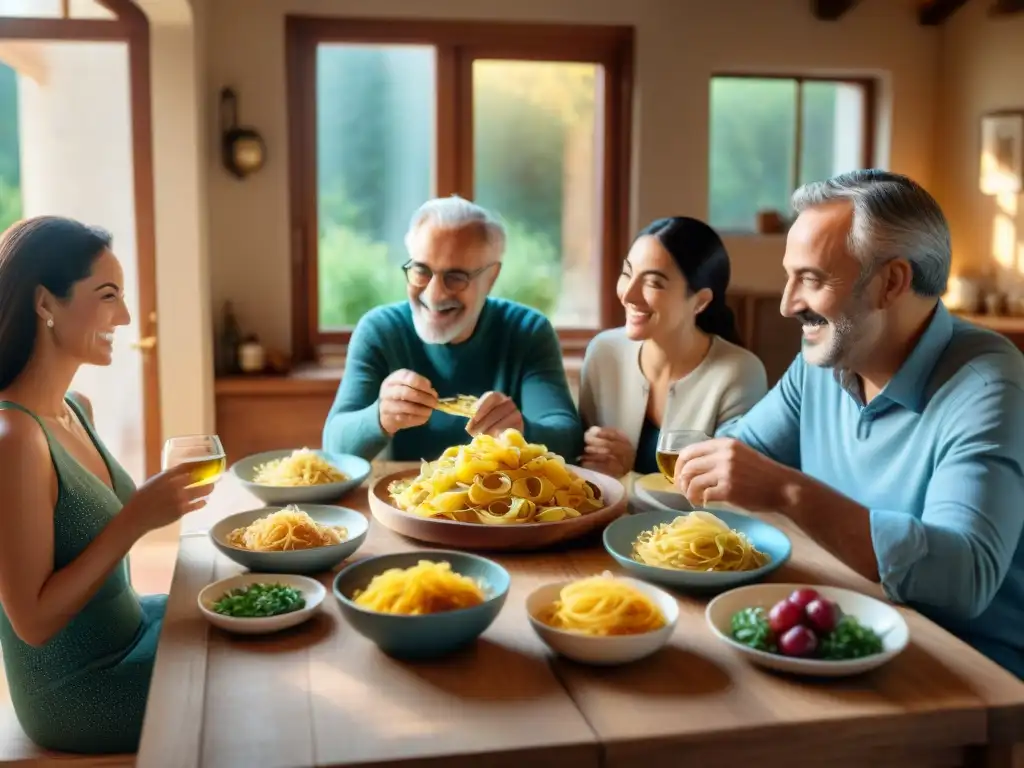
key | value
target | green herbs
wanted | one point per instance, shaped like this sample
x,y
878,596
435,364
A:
x,y
259,600
849,640
750,627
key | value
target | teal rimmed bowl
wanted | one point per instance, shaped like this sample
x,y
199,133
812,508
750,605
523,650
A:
x,y
429,635
620,536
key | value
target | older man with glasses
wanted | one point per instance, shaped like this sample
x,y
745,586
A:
x,y
451,339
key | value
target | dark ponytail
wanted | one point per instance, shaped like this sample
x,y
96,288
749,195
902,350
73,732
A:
x,y
46,251
700,254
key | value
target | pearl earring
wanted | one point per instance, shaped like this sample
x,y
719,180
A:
x,y
49,322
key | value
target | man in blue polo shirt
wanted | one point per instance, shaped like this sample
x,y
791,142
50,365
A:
x,y
896,439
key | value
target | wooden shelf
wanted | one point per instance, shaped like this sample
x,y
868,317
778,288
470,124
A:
x,y
311,380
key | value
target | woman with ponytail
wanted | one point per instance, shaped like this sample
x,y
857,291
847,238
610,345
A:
x,y
678,362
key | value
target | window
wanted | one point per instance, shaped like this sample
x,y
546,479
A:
x,y
10,153
769,135
55,9
530,121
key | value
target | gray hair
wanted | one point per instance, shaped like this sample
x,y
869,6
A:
x,y
893,217
456,213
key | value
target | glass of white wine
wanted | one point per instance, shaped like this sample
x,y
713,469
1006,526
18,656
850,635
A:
x,y
670,443
204,453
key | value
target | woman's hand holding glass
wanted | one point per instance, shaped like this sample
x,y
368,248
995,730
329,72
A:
x,y
608,451
165,498
191,466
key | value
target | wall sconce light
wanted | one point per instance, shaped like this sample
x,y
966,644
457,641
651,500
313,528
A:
x,y
243,150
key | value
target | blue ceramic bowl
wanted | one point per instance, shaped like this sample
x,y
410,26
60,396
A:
x,y
620,535
430,635
357,469
308,561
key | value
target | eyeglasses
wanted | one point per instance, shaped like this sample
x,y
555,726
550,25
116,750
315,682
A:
x,y
455,280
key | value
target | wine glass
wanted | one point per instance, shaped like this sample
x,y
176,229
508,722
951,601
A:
x,y
204,453
670,443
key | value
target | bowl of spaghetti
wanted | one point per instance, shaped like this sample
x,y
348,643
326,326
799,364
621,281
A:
x,y
497,493
307,538
603,619
301,476
422,604
697,550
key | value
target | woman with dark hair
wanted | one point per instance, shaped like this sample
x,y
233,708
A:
x,y
78,642
678,362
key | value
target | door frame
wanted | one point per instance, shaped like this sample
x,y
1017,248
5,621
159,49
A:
x,y
132,27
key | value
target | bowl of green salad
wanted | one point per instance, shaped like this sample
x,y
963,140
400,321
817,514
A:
x,y
260,603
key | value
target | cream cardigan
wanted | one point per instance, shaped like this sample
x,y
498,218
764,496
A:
x,y
614,391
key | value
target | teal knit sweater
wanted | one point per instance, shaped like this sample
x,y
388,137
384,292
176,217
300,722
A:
x,y
513,350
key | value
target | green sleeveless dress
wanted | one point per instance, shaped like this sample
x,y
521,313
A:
x,y
85,690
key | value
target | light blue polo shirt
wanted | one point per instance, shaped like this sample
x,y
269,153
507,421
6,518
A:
x,y
938,459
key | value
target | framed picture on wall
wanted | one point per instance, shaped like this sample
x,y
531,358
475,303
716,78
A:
x,y
1002,153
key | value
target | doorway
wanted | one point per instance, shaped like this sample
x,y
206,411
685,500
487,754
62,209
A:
x,y
75,141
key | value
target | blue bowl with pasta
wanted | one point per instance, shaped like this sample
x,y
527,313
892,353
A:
x,y
701,550
296,538
300,476
459,595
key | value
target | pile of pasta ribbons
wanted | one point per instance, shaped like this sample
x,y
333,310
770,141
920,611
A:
x,y
497,481
697,541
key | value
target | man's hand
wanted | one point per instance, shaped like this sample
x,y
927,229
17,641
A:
x,y
495,413
729,471
608,451
406,400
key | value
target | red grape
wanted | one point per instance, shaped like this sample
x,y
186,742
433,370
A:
x,y
822,615
798,641
785,615
802,597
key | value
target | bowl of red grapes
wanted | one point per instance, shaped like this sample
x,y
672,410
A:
x,y
817,630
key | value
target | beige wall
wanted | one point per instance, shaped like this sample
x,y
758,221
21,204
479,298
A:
x,y
982,71
183,285
680,43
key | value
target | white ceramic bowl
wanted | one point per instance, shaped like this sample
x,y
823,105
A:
x,y
876,614
312,590
603,651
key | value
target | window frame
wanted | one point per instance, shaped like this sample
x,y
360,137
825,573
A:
x,y
457,45
869,89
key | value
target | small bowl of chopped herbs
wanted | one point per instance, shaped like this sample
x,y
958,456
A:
x,y
808,630
260,603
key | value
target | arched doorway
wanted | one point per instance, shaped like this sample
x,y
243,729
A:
x,y
85,147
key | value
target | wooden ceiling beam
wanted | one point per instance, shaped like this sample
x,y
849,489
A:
x,y
831,10
935,12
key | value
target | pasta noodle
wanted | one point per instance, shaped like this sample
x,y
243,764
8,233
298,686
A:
x,y
603,606
697,541
460,405
427,587
497,481
303,467
286,529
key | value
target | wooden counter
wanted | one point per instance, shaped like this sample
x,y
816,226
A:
x,y
323,695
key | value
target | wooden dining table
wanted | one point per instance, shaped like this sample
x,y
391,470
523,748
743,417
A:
x,y
322,695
